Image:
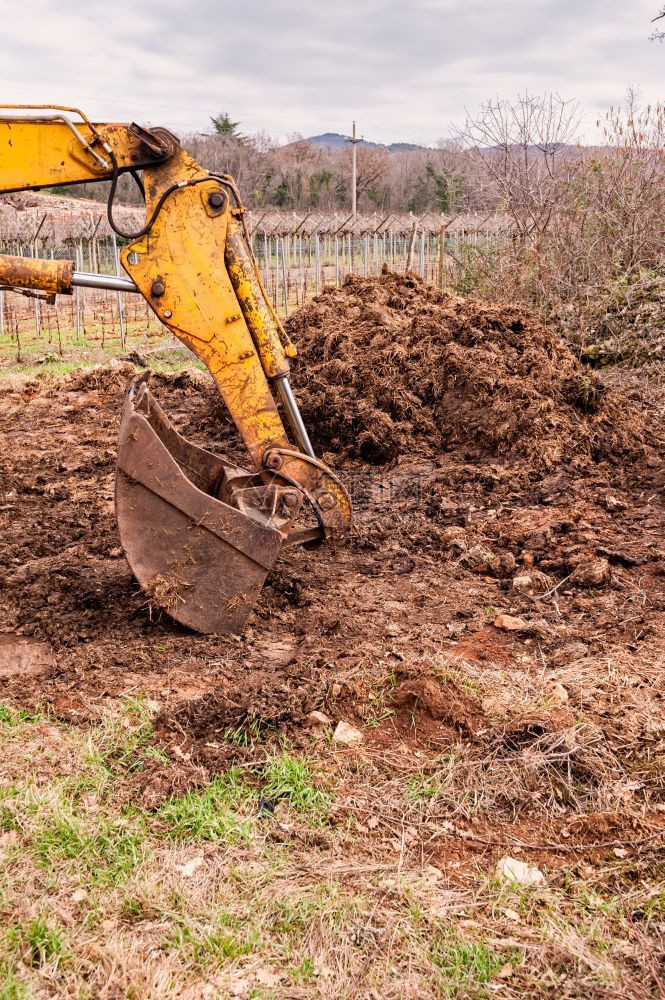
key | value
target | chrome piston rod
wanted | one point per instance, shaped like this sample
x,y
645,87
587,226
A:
x,y
288,401
116,284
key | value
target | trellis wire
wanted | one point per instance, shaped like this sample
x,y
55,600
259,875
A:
x,y
295,264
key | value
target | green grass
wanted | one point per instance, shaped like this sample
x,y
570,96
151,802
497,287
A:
x,y
291,779
465,968
39,357
95,895
11,987
39,941
11,718
224,938
106,851
209,814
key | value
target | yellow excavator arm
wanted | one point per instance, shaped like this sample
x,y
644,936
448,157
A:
x,y
200,534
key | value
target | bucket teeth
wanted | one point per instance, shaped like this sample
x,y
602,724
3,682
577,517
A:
x,y
196,555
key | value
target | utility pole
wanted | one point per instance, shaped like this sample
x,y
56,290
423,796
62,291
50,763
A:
x,y
354,172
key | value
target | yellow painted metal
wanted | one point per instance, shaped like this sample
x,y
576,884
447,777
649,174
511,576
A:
x,y
253,304
36,154
193,267
51,276
182,258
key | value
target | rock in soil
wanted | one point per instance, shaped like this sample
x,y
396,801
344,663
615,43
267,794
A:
x,y
591,573
347,735
24,657
509,623
318,719
512,870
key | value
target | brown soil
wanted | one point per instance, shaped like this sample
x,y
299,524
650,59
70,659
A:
x,y
392,366
501,468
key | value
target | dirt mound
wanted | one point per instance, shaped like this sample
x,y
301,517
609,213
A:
x,y
391,366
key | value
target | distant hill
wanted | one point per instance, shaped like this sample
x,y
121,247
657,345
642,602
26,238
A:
x,y
335,140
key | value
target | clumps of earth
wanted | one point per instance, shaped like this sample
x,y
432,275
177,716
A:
x,y
391,366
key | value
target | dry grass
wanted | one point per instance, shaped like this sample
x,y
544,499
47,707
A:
x,y
369,879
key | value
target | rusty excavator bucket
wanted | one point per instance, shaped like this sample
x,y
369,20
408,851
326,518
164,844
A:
x,y
200,534
196,555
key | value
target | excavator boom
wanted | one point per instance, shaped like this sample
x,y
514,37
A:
x,y
199,533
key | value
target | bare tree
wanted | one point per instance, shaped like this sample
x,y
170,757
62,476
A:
x,y
658,35
524,148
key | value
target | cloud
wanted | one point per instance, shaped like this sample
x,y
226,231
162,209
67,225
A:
x,y
402,70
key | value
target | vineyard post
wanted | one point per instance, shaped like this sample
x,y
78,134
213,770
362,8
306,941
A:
x,y
119,294
284,282
276,282
317,263
33,251
34,254
442,252
265,258
79,267
412,244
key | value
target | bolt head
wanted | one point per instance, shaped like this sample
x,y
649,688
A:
x,y
326,501
158,287
216,199
274,462
290,499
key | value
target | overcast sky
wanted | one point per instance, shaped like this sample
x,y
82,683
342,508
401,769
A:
x,y
404,69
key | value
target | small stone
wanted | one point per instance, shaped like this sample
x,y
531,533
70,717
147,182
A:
x,y
189,867
513,870
613,504
591,573
319,719
347,735
510,624
558,694
506,564
523,584
79,895
453,535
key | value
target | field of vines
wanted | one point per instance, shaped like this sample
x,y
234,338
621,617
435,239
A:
x,y
297,257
